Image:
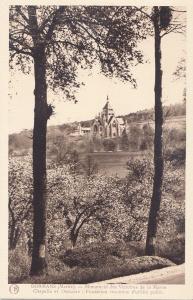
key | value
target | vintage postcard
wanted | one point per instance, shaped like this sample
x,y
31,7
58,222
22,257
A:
x,y
96,149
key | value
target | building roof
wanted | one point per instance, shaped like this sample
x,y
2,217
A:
x,y
97,120
110,119
107,105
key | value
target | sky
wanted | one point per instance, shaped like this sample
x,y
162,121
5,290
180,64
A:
x,y
92,96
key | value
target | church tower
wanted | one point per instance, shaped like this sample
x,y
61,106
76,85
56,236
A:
x,y
106,124
107,111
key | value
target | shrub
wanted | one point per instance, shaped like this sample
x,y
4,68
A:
x,y
176,156
109,145
19,265
173,250
100,254
20,198
92,255
138,189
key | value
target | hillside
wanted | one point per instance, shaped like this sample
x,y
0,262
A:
x,y
171,111
146,115
20,143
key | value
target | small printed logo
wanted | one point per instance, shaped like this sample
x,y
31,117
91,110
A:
x,y
14,289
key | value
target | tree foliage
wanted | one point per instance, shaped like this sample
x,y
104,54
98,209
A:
x,y
97,208
20,199
76,37
180,71
138,190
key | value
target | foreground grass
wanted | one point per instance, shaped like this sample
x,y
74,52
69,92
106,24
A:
x,y
98,261
79,275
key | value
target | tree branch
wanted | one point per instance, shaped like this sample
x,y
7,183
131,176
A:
x,y
90,35
54,23
18,9
42,26
85,219
20,42
176,29
19,51
143,12
66,43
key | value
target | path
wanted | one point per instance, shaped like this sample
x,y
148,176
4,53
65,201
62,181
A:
x,y
169,275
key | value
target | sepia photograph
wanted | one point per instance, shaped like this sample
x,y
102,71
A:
x,y
96,145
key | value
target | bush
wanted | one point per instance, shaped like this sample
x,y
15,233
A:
x,y
138,189
100,254
20,198
19,265
109,145
176,156
173,250
91,256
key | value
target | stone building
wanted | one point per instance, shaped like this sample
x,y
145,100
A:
x,y
106,124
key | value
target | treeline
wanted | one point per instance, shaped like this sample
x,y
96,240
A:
x,y
169,111
173,110
141,138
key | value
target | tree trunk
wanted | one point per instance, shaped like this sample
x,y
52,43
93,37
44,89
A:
x,y
73,238
158,153
12,244
39,265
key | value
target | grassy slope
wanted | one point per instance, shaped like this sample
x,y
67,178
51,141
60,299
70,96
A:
x,y
178,122
96,262
88,275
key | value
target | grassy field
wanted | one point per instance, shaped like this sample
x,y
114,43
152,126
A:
x,y
112,163
178,122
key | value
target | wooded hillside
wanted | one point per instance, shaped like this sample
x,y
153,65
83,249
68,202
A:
x,y
174,119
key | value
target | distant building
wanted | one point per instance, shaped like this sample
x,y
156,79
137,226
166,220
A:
x,y
81,131
105,125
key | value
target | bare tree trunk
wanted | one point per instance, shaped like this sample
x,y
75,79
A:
x,y
12,225
73,237
158,155
12,240
39,265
